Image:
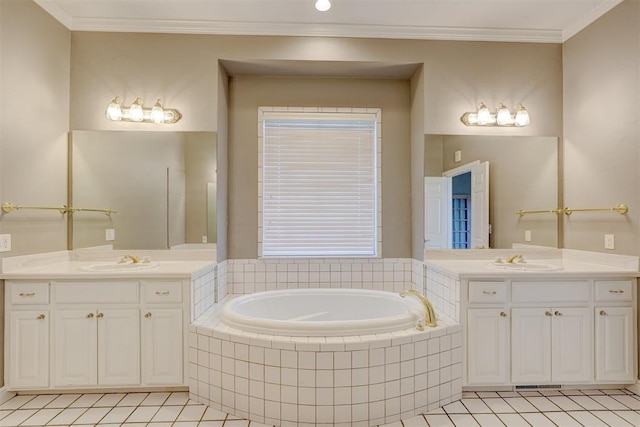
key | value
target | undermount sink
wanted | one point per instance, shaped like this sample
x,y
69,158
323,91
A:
x,y
525,266
114,266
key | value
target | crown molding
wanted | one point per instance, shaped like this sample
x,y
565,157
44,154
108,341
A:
x,y
320,30
52,8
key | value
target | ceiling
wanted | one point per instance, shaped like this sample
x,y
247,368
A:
x,y
544,21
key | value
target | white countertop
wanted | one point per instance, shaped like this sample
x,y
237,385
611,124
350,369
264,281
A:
x,y
578,264
71,265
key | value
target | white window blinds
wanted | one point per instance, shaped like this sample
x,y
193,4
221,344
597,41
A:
x,y
319,184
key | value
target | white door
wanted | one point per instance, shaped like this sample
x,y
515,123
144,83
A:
x,y
531,345
162,346
487,347
480,205
571,346
74,348
614,344
28,349
437,195
118,347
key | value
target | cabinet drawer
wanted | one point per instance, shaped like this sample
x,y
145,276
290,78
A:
x,y
29,293
614,290
488,292
96,292
553,292
159,292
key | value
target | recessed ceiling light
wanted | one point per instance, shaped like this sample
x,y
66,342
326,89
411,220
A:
x,y
323,5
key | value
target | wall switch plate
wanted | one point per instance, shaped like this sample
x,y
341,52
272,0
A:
x,y
204,239
457,156
609,241
5,242
527,235
110,235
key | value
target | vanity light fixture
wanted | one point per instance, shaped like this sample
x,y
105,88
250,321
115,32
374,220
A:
x,y
137,113
322,5
502,117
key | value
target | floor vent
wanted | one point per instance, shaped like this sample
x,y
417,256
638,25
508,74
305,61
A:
x,y
538,387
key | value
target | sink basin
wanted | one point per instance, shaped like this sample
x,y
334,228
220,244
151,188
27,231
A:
x,y
527,266
113,266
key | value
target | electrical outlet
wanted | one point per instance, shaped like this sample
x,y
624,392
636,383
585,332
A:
x,y
110,234
5,242
457,156
527,235
609,241
204,239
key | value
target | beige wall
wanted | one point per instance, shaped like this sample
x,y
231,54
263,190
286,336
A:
x,y
34,120
248,93
602,130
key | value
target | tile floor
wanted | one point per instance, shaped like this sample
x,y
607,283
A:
x,y
553,408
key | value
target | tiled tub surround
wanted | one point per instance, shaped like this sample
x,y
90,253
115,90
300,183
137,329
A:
x,y
245,276
304,381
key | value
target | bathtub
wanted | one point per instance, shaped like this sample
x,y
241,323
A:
x,y
321,312
308,357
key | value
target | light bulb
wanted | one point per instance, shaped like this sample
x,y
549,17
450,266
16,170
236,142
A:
x,y
157,113
114,110
484,115
522,116
136,113
503,117
322,5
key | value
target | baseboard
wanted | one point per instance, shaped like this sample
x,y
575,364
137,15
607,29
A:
x,y
634,387
5,395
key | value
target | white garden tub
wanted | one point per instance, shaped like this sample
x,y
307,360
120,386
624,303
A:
x,y
321,312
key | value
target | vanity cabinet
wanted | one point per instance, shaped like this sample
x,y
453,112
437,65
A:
x,y
96,347
551,345
87,334
488,346
162,333
27,364
559,331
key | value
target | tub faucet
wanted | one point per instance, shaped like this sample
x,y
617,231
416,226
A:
x,y
429,313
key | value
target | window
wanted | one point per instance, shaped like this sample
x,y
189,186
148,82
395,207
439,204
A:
x,y
319,183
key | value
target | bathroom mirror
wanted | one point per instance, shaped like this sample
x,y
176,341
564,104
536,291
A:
x,y
161,185
523,175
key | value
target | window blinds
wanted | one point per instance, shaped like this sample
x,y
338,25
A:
x,y
319,185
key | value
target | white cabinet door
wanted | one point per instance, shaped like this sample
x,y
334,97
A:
x,y
118,347
28,350
571,346
487,346
162,347
531,345
614,344
74,348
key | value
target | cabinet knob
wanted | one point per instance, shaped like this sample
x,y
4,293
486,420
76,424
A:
x,y
503,314
27,294
148,315
90,316
603,313
42,316
548,313
100,315
557,313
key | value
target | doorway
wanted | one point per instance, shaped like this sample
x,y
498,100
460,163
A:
x,y
457,208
